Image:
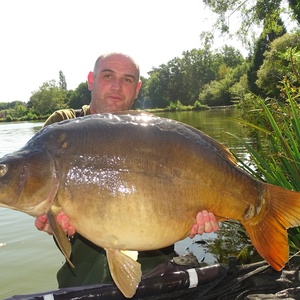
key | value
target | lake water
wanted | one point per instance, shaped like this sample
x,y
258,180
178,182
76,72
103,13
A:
x,y
29,258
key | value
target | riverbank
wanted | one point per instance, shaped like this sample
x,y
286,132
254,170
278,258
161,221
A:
x,y
32,117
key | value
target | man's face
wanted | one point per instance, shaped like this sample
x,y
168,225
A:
x,y
115,84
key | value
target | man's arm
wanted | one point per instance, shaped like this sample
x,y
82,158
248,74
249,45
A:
x,y
205,222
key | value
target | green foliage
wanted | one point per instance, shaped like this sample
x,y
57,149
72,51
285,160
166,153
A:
x,y
278,126
48,98
80,96
201,77
197,68
295,7
231,56
173,106
239,89
260,47
8,118
277,160
231,240
142,102
284,53
252,14
62,81
197,105
184,78
8,105
215,93
31,117
156,88
221,92
14,110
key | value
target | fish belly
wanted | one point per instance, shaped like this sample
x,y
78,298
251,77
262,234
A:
x,y
140,187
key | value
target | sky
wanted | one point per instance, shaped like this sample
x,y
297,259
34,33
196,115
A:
x,y
41,37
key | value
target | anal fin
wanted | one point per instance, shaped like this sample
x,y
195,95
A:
x,y
125,271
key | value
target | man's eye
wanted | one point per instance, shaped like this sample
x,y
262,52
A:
x,y
128,80
107,76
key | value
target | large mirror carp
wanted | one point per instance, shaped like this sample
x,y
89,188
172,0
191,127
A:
x,y
136,182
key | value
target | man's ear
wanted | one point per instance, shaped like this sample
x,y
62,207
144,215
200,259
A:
x,y
91,78
138,89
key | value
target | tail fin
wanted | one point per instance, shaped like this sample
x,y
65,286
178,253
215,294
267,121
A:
x,y
269,235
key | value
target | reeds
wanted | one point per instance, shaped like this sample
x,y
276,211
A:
x,y
277,160
274,158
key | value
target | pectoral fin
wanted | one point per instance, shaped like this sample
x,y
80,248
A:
x,y
125,271
61,238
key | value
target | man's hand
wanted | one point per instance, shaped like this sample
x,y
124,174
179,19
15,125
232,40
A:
x,y
206,222
41,223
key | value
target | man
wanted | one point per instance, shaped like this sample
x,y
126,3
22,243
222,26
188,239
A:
x,y
114,85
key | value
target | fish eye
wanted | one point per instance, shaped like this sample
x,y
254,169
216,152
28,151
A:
x,y
3,170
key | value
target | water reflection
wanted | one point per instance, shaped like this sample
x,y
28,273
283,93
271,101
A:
x,y
16,134
221,124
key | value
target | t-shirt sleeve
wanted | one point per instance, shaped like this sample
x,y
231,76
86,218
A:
x,y
60,115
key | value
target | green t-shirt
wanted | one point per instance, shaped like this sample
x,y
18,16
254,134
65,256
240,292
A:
x,y
90,261
66,114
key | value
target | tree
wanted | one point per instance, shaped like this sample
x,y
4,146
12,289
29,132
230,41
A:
x,y
155,89
231,57
284,53
47,99
261,46
182,79
198,69
295,6
141,101
222,91
16,109
81,96
253,14
62,81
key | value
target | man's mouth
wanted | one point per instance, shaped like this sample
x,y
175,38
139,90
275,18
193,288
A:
x,y
115,97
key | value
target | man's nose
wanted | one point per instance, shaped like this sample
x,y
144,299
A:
x,y
116,84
